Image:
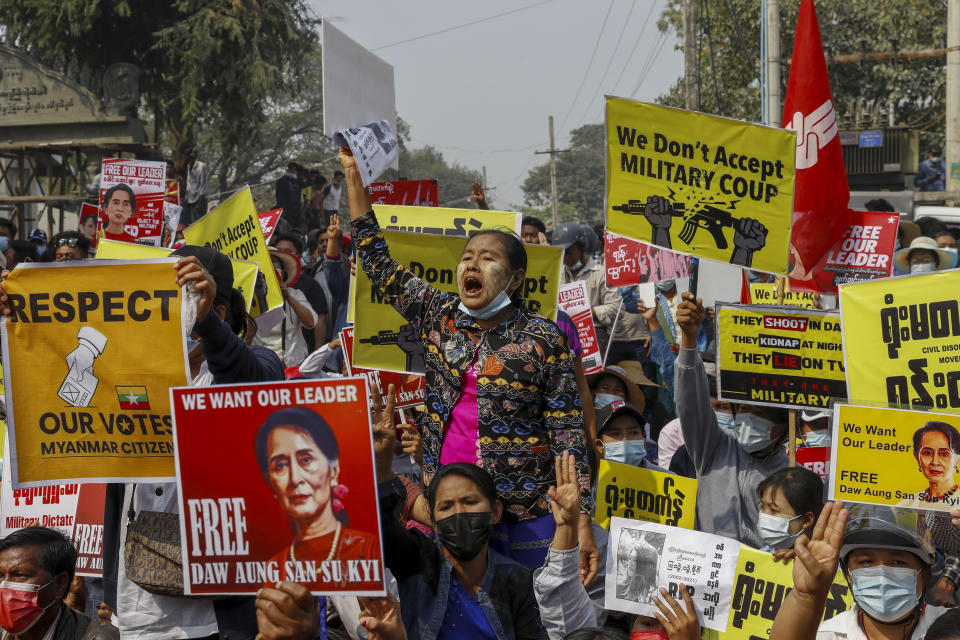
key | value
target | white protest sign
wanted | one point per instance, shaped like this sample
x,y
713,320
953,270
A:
x,y
574,301
644,556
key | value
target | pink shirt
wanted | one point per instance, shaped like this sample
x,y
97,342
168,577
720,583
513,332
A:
x,y
461,441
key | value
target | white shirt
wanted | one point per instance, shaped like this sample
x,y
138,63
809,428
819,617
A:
x,y
331,201
272,339
671,437
145,616
846,626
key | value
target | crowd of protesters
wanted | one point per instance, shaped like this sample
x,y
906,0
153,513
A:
x,y
490,532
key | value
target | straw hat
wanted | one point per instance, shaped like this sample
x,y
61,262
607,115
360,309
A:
x,y
291,266
945,259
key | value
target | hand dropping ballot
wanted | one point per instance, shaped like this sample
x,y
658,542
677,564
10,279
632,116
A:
x,y
80,384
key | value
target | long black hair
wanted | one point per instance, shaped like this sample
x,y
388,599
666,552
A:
x,y
471,472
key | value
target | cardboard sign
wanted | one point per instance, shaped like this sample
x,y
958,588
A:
x,y
875,461
766,293
75,510
81,404
410,387
640,560
138,218
289,494
699,184
901,340
779,356
759,589
643,494
575,303
864,251
630,262
244,271
233,228
387,342
418,193
817,459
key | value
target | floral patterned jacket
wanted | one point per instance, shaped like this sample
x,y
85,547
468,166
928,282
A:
x,y
527,399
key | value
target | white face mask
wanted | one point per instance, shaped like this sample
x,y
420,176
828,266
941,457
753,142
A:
x,y
753,432
775,531
922,267
818,438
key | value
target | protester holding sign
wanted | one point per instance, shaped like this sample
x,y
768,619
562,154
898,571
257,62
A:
x,y
499,380
729,466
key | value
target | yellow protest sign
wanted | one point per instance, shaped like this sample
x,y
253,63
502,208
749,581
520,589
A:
x,y
766,293
438,221
779,356
244,271
644,494
901,340
760,587
233,228
895,457
385,341
700,184
90,350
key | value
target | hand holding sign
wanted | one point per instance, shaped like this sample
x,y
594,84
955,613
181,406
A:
x,y
679,624
190,270
288,612
381,618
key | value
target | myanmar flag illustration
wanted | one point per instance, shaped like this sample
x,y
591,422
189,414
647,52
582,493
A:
x,y
133,397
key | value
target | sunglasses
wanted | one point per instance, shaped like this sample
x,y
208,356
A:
x,y
70,242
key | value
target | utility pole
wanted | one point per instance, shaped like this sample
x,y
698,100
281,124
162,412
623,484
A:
x,y
691,66
953,96
772,63
484,178
553,173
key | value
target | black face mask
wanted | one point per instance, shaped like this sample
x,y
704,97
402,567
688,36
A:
x,y
464,534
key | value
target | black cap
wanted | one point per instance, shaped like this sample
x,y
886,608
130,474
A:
x,y
213,261
606,414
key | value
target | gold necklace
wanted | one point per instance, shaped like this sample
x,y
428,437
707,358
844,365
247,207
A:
x,y
333,547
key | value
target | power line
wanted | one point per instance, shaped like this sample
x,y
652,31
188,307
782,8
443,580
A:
x,y
613,54
743,43
713,65
626,63
461,26
648,65
514,150
586,71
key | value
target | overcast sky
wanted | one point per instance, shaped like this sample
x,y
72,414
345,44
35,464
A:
x,y
482,93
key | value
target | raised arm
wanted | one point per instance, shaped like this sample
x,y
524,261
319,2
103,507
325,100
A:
x,y
701,433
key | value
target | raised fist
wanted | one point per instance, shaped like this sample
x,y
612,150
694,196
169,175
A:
x,y
749,234
659,212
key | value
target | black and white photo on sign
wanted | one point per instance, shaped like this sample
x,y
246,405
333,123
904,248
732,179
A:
x,y
638,557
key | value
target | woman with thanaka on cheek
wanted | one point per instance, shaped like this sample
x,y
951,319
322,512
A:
x,y
500,380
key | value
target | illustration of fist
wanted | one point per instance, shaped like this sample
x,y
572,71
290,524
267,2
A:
x,y
749,234
409,342
659,212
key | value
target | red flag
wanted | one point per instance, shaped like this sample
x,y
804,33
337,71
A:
x,y
821,191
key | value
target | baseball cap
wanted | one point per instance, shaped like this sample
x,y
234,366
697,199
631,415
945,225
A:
x,y
38,234
606,414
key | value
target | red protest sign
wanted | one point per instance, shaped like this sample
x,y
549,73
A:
x,y
410,387
862,250
418,193
89,221
134,210
88,530
629,262
277,483
268,222
817,459
574,302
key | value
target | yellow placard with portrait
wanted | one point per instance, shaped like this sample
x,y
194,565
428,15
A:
x,y
244,271
895,457
233,228
760,587
90,350
901,340
644,494
699,184
384,340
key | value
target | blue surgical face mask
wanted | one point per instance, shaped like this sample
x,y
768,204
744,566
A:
x,y
818,438
936,159
4,243
775,531
603,399
753,432
499,303
666,285
885,593
631,452
725,420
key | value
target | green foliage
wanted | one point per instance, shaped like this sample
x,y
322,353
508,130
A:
x,y
207,64
580,175
914,87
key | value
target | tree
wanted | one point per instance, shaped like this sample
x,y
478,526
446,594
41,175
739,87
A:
x,y
211,65
580,178
914,89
